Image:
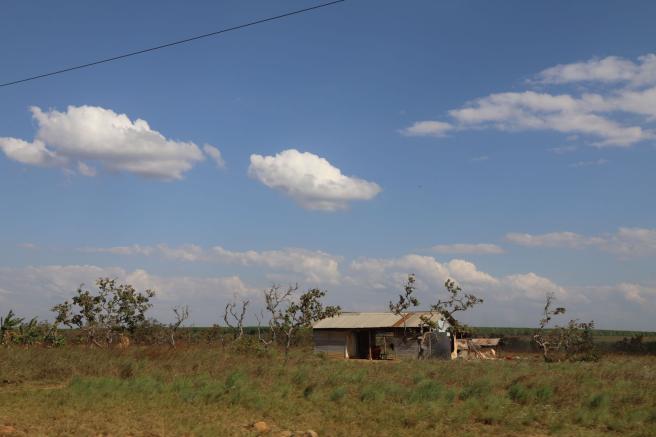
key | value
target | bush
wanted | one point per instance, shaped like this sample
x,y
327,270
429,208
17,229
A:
x,y
477,389
518,393
337,394
426,390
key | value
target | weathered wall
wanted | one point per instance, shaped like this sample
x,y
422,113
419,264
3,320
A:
x,y
438,346
332,343
404,349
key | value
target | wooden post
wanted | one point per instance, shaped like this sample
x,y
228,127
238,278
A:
x,y
369,334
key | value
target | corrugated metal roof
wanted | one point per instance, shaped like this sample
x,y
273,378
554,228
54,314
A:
x,y
373,320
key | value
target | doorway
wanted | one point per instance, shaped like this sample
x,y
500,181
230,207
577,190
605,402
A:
x,y
362,344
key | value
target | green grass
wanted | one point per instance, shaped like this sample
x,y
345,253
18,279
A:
x,y
206,391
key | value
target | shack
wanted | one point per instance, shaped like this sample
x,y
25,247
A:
x,y
380,336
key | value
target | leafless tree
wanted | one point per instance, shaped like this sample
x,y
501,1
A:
x,y
264,339
231,312
274,299
181,314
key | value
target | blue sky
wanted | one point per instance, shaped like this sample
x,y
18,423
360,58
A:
x,y
509,146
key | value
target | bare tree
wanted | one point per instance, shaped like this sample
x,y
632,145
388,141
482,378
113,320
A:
x,y
274,299
265,340
181,314
237,316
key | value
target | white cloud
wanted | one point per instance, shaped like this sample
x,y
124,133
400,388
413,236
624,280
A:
x,y
427,128
553,239
529,110
626,242
467,272
464,248
215,154
511,300
632,242
313,267
638,293
533,286
34,290
86,170
390,273
34,153
609,69
134,249
310,180
86,134
588,114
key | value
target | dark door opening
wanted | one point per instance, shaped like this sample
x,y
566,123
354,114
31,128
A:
x,y
362,344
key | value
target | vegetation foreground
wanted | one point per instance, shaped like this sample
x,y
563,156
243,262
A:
x,y
201,390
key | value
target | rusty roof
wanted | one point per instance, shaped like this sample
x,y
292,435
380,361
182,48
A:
x,y
347,320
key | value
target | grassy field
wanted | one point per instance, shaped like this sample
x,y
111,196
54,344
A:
x,y
206,391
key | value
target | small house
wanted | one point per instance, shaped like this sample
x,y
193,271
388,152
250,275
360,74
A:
x,y
379,336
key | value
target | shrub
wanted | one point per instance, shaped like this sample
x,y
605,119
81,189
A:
x,y
598,401
477,389
372,393
337,394
544,393
518,393
426,390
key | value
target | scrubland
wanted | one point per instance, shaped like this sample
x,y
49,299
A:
x,y
207,390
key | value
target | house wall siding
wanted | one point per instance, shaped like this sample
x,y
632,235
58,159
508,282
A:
x,y
332,343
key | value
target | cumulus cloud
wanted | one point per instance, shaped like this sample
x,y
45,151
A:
x,y
629,90
310,180
91,134
626,242
312,266
389,273
464,248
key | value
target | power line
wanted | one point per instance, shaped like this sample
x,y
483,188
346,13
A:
x,y
151,49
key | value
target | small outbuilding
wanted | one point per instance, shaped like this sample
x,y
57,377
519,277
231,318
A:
x,y
380,336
